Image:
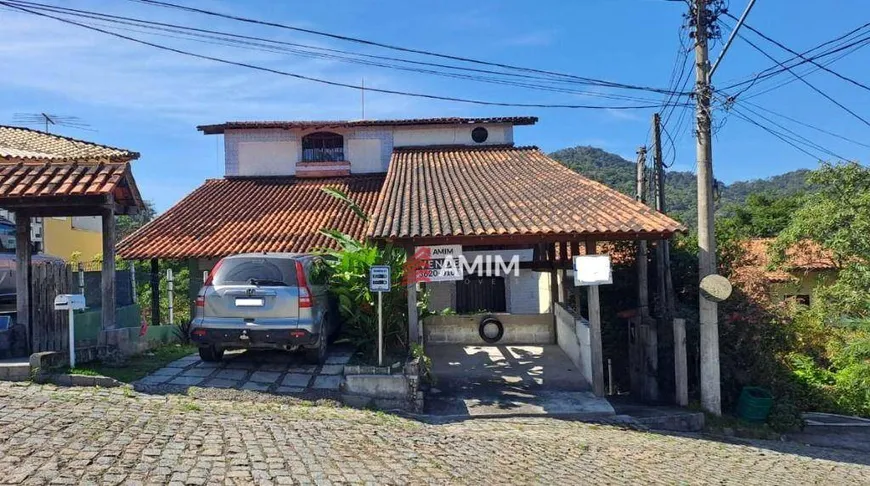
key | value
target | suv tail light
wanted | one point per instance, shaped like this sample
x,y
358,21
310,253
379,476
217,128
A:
x,y
200,301
306,299
211,274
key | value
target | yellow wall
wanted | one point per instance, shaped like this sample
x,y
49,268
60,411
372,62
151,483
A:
x,y
61,240
805,284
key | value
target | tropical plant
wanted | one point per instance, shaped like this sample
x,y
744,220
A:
x,y
348,278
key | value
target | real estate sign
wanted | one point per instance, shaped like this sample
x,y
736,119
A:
x,y
438,263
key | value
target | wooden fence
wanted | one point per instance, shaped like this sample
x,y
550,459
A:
x,y
50,328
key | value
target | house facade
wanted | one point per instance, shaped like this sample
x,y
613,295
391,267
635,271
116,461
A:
x,y
427,184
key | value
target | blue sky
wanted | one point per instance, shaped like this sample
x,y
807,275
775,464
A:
x,y
150,101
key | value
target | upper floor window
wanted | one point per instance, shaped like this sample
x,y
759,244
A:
x,y
322,147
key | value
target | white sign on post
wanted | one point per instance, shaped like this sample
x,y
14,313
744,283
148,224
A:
x,y
379,278
379,281
592,270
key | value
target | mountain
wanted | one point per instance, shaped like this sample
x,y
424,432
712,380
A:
x,y
680,186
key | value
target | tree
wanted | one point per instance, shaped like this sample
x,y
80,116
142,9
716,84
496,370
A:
x,y
126,225
837,217
761,216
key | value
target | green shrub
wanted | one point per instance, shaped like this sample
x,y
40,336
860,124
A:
x,y
785,416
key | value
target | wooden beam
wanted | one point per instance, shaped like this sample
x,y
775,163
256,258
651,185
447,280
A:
x,y
563,259
595,332
108,272
22,274
681,369
575,250
155,292
554,279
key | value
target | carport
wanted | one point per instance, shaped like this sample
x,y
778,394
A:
x,y
496,202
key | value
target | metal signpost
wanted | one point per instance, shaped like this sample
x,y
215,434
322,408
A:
x,y
70,303
379,281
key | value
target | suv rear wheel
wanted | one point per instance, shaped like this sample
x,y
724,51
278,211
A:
x,y
317,355
211,353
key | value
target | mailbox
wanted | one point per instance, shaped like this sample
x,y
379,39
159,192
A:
x,y
69,302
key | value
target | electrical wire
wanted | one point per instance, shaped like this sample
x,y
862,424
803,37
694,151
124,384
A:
x,y
780,45
320,80
598,82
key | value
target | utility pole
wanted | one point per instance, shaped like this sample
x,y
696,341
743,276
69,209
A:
x,y
646,360
711,399
663,251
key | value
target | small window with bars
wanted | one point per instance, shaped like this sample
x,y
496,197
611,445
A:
x,y
322,147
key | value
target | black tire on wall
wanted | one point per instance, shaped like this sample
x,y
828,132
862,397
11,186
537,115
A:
x,y
488,322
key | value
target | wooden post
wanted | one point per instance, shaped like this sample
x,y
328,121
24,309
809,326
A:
x,y
647,332
108,272
554,279
681,371
22,275
563,259
413,316
642,254
575,250
155,292
595,332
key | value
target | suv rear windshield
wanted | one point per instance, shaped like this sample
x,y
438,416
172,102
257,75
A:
x,y
256,271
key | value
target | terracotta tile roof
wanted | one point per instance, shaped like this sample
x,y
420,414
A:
x,y
803,257
25,144
236,215
467,191
219,128
24,180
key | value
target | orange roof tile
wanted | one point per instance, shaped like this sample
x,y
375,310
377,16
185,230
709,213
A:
x,y
805,256
501,190
18,143
235,215
54,179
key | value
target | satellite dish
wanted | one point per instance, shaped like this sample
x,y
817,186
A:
x,y
715,288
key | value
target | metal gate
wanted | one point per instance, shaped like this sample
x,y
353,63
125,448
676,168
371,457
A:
x,y
476,293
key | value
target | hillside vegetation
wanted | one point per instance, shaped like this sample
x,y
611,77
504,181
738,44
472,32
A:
x,y
680,186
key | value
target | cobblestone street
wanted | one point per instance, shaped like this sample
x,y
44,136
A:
x,y
111,436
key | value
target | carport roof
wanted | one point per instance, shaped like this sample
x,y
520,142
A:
x,y
254,214
478,193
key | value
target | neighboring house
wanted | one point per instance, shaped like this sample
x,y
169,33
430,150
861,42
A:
x,y
57,236
807,265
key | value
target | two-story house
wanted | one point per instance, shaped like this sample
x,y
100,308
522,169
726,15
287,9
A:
x,y
452,183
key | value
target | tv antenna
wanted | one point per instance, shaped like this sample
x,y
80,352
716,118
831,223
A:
x,y
48,119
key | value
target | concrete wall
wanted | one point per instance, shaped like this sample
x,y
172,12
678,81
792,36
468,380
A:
x,y
518,329
573,337
528,292
450,135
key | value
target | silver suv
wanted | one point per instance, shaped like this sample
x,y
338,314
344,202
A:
x,y
264,301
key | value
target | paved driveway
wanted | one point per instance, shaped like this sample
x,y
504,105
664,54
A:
x,y
98,436
262,371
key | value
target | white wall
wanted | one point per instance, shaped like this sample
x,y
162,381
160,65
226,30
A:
x,y
528,292
365,155
450,135
268,158
274,152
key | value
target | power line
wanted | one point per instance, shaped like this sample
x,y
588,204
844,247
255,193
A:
x,y
237,40
780,45
598,82
325,81
793,120
772,132
801,79
783,67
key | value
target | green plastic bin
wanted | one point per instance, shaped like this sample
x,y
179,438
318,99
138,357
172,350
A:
x,y
754,404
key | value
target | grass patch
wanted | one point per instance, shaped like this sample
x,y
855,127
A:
x,y
138,366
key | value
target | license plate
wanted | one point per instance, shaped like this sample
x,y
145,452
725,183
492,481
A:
x,y
249,302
